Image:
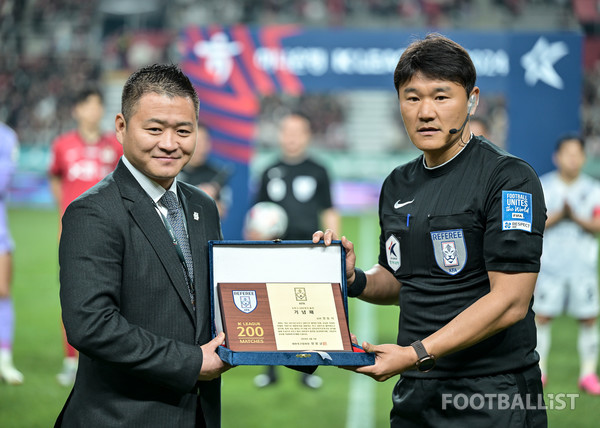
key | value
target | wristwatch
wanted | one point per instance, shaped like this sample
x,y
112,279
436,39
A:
x,y
426,361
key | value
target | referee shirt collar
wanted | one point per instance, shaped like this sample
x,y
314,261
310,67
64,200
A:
x,y
433,168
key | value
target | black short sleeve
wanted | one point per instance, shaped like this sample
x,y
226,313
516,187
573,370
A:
x,y
516,215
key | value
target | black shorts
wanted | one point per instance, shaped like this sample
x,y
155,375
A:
x,y
505,400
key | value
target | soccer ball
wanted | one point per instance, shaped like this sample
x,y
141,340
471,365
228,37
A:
x,y
265,221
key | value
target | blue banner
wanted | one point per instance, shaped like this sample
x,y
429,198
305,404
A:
x,y
539,73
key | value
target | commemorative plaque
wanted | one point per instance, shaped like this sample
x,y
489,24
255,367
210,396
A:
x,y
283,317
282,303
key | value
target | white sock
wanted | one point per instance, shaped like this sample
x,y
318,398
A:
x,y
5,357
587,345
544,339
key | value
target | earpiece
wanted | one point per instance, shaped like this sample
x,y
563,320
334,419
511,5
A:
x,y
473,100
472,103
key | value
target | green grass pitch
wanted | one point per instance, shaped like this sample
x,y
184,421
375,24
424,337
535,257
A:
x,y
38,353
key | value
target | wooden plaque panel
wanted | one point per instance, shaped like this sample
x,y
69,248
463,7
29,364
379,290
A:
x,y
289,317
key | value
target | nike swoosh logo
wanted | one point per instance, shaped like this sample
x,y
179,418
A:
x,y
400,205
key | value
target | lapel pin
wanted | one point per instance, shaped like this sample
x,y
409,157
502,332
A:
x,y
196,216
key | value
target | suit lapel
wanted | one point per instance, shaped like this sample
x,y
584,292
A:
x,y
144,214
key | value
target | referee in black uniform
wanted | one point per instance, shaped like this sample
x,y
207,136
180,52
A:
x,y
298,183
460,246
301,186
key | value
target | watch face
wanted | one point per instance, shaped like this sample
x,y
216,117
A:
x,y
426,364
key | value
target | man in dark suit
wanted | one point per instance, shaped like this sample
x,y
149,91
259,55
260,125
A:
x,y
134,273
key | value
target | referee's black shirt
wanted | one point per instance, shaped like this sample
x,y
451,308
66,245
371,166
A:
x,y
443,229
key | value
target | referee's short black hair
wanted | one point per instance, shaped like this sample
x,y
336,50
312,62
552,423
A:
x,y
436,57
569,137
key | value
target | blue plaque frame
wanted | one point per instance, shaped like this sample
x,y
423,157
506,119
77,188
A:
x,y
275,358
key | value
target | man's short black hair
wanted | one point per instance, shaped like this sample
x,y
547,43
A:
x,y
163,79
436,57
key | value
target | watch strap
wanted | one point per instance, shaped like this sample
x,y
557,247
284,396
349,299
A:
x,y
426,361
420,349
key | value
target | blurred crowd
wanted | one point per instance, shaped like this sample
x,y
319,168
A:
x,y
46,55
590,110
49,49
357,12
35,94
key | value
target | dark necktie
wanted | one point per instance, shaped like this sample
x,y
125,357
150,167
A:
x,y
176,219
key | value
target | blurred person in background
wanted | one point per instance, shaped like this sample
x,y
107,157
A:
x,y
479,126
9,147
80,159
207,176
569,275
301,186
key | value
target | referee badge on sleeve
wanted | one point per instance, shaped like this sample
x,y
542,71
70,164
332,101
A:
x,y
450,250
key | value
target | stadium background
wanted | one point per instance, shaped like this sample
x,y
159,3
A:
x,y
49,49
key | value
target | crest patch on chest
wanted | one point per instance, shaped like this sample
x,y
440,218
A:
x,y
450,250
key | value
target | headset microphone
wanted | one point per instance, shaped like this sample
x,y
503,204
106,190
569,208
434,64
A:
x,y
472,102
455,131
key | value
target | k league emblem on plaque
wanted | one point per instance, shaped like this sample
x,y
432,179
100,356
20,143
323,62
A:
x,y
244,300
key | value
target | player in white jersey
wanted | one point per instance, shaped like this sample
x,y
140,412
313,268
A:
x,y
568,279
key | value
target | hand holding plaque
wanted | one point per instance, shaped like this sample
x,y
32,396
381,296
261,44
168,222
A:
x,y
284,317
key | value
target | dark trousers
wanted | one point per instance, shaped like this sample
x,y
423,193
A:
x,y
505,400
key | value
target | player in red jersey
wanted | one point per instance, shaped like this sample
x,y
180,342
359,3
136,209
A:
x,y
80,159
84,156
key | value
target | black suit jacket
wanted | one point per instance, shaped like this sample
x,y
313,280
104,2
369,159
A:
x,y
126,308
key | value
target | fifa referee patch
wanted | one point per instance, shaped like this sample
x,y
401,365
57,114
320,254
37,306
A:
x,y
516,210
